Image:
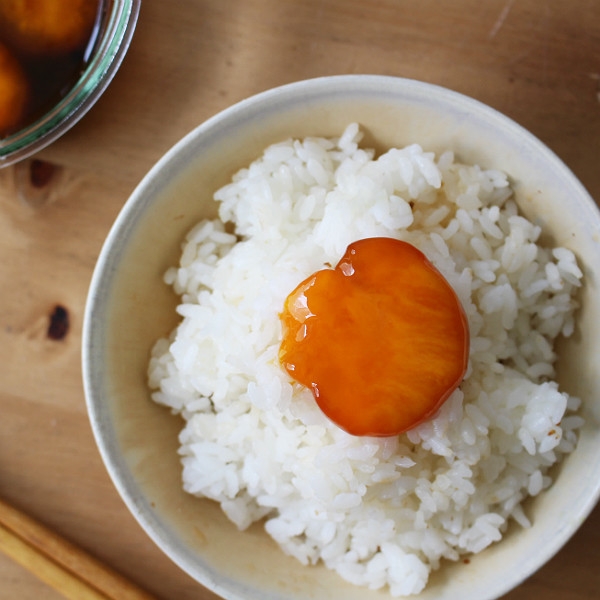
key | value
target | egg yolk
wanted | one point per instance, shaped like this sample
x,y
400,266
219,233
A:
x,y
381,340
14,91
48,26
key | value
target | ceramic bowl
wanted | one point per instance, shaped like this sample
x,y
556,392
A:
x,y
129,307
112,34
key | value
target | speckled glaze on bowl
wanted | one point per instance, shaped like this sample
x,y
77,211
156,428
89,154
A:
x,y
129,307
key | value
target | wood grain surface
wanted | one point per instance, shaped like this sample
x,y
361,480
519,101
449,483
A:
x,y
538,61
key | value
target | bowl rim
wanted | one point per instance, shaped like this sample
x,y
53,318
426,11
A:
x,y
180,154
116,28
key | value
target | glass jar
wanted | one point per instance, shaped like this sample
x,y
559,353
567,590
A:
x,y
115,26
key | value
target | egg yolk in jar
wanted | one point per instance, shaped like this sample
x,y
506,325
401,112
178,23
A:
x,y
48,26
382,339
14,91
45,46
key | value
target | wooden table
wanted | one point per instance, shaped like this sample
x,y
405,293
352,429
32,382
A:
x,y
536,61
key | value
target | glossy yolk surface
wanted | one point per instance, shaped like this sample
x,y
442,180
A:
x,y
381,340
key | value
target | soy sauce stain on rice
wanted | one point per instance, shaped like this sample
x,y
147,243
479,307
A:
x,y
58,328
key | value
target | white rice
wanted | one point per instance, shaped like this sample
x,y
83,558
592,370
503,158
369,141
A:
x,y
379,511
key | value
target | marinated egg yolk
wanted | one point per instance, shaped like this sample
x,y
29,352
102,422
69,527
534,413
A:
x,y
381,340
14,91
48,26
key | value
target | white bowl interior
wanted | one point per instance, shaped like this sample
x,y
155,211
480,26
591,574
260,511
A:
x,y
129,308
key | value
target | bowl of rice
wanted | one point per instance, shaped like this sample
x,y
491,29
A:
x,y
230,466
